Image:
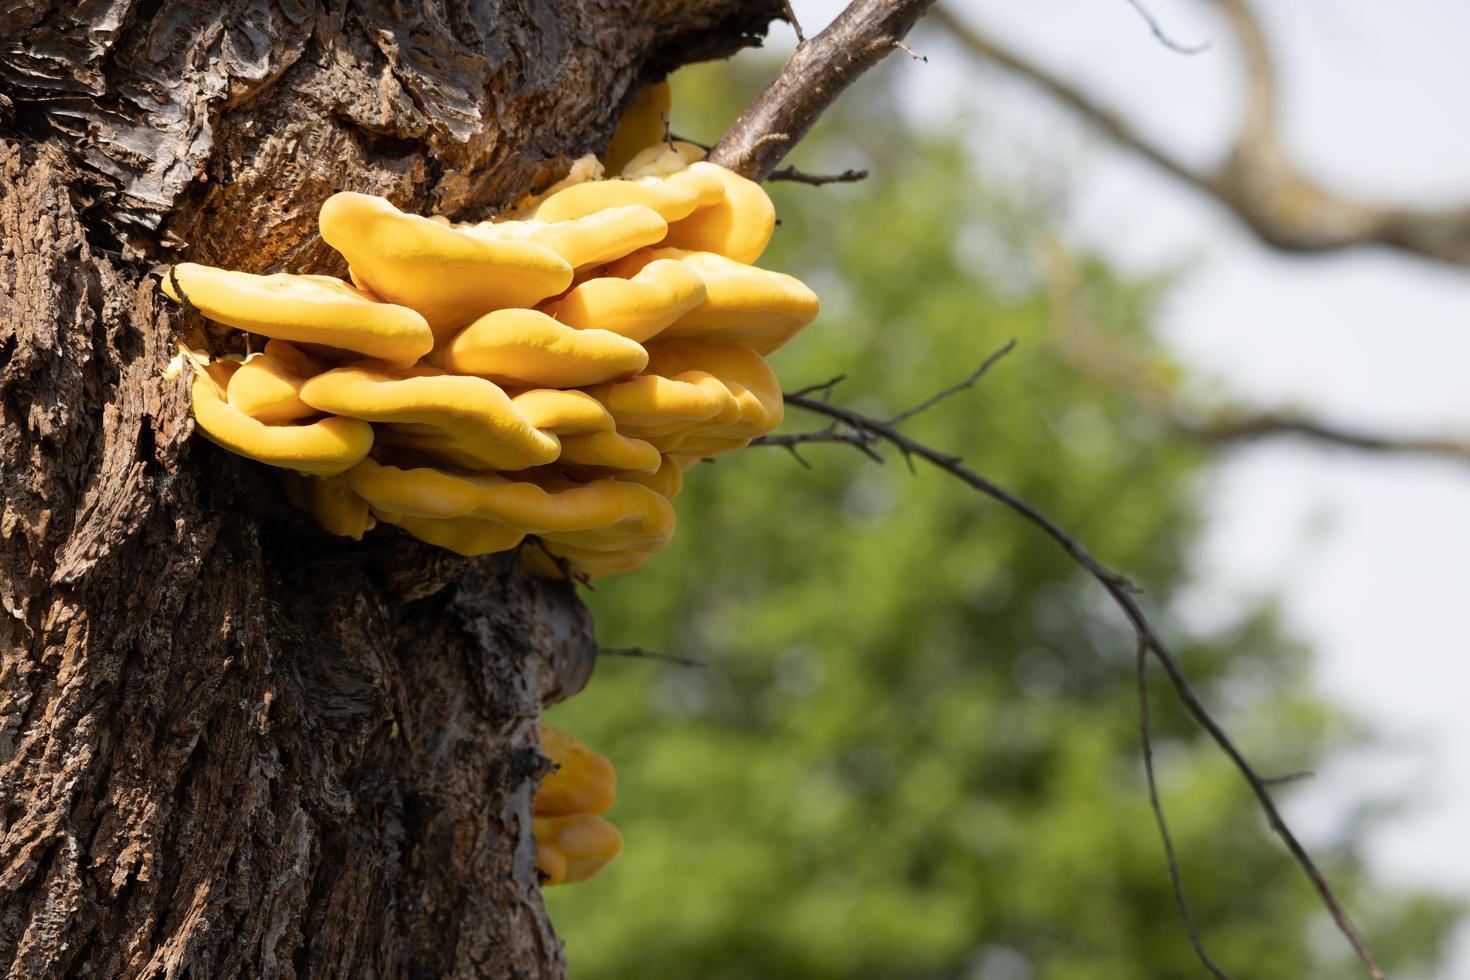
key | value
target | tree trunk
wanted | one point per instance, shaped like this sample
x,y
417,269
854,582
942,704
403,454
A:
x,y
231,745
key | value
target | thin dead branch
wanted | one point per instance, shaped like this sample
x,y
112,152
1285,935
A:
x,y
793,441
955,389
795,24
1163,38
817,180
1146,745
1123,594
1160,35
1267,191
819,71
641,653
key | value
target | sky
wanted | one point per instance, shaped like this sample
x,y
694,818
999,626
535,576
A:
x,y
1368,556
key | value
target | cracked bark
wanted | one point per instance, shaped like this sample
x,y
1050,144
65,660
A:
x,y
231,745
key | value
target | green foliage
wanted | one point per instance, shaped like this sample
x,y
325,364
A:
x,y
914,751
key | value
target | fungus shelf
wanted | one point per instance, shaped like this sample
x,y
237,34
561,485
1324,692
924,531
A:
x,y
550,374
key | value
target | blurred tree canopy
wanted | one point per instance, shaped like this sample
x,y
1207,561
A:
x,y
914,750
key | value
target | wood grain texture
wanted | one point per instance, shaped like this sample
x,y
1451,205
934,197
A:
x,y
231,745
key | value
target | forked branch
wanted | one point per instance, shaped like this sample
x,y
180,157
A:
x,y
1256,180
854,428
819,71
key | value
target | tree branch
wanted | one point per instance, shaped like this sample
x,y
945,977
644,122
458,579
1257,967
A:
x,y
1284,207
1097,355
819,71
1228,428
1161,36
802,177
642,653
955,389
1146,746
1122,592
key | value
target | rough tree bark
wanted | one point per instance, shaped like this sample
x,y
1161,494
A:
x,y
230,745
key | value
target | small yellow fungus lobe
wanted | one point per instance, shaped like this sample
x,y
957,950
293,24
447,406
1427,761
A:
x,y
310,309
639,307
672,197
573,841
336,508
591,239
599,515
610,449
468,536
267,386
331,445
467,421
644,123
583,780
539,382
739,226
527,347
743,305
575,847
448,276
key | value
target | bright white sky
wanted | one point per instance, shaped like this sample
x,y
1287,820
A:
x,y
1369,556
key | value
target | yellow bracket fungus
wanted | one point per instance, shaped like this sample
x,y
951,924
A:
x,y
527,347
586,240
448,276
599,515
563,412
643,124
467,421
331,445
638,307
738,227
743,305
610,449
547,560
575,847
553,373
310,309
673,197
582,782
267,386
697,399
666,481
664,160
336,508
573,841
468,536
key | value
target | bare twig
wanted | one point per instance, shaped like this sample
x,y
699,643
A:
x,y
1288,777
1161,37
1123,595
823,386
802,177
643,654
904,47
1113,125
791,442
1273,197
955,389
819,71
795,24
1146,744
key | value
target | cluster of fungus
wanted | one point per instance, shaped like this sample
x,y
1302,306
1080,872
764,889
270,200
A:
x,y
573,841
551,373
